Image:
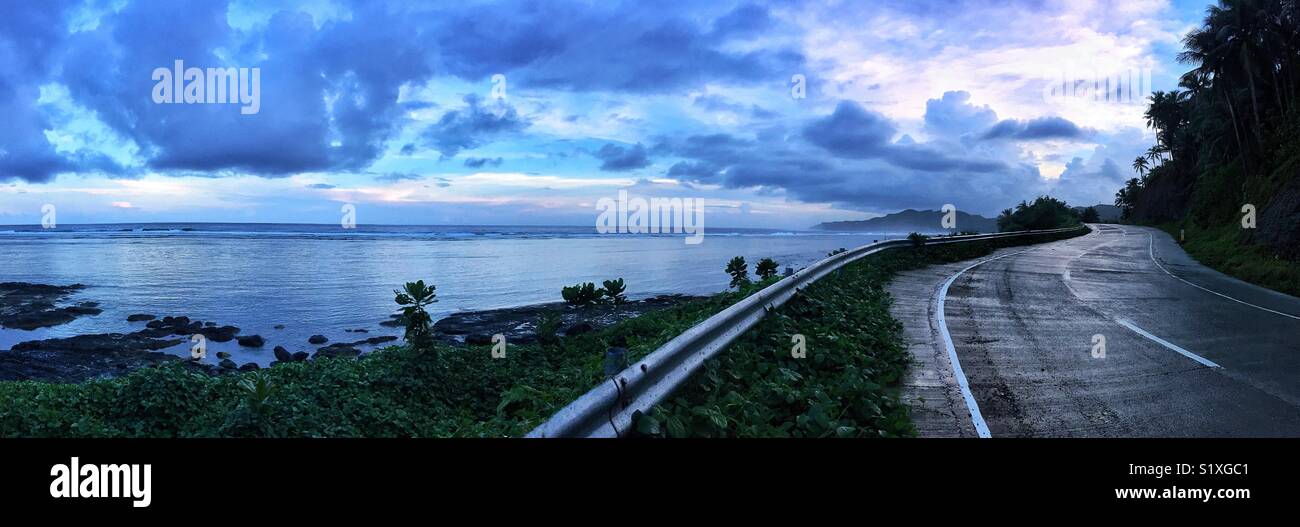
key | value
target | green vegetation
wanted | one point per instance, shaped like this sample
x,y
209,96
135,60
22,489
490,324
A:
x,y
414,297
399,391
766,268
1224,249
613,290
739,272
1044,213
1230,136
1090,215
917,239
586,294
845,386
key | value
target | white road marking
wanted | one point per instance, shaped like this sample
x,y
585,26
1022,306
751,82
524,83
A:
x,y
1151,249
1207,362
976,418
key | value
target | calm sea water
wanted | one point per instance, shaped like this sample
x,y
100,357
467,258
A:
x,y
321,279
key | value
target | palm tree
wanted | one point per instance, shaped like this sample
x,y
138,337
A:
x,y
1140,165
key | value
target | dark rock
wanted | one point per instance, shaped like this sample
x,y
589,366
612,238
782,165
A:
x,y
279,326
249,366
220,334
31,306
317,339
394,321
577,328
251,341
139,317
282,354
300,356
227,364
223,355
338,349
84,357
379,340
209,324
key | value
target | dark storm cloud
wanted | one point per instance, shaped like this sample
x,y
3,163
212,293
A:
x,y
863,170
615,158
1033,129
329,88
856,133
29,32
357,69
472,126
627,47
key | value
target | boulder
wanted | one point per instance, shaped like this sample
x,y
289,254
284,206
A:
x,y
251,341
282,354
140,317
227,364
317,339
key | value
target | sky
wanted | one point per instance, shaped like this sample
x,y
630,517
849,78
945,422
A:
x,y
777,114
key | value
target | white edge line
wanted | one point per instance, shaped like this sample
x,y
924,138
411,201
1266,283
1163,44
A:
x,y
1207,362
976,418
1151,249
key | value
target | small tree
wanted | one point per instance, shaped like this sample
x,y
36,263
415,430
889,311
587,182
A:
x,y
739,271
1090,215
613,290
766,268
581,295
414,297
918,239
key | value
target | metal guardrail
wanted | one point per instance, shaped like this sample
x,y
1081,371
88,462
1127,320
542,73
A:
x,y
608,409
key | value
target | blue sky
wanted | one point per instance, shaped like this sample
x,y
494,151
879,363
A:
x,y
393,107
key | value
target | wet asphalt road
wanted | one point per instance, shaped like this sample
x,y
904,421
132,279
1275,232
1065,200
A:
x,y
1025,328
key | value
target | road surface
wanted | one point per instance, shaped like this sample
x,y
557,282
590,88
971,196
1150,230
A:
x,y
1188,351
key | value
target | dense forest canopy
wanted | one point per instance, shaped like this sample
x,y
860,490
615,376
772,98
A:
x,y
1227,137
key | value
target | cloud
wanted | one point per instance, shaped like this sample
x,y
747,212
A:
x,y
321,186
616,158
853,132
328,92
398,176
1035,129
613,47
953,116
479,162
472,126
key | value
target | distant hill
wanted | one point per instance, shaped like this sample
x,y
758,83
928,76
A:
x,y
924,221
1107,213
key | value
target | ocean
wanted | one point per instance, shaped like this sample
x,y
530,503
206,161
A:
x,y
322,279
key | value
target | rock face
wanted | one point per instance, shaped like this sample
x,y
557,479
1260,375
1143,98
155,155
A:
x,y
519,324
1278,225
31,306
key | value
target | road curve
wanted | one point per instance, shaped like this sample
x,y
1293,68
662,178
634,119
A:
x,y
1188,351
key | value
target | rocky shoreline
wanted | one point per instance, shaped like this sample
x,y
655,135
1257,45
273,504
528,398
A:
x,y
96,356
